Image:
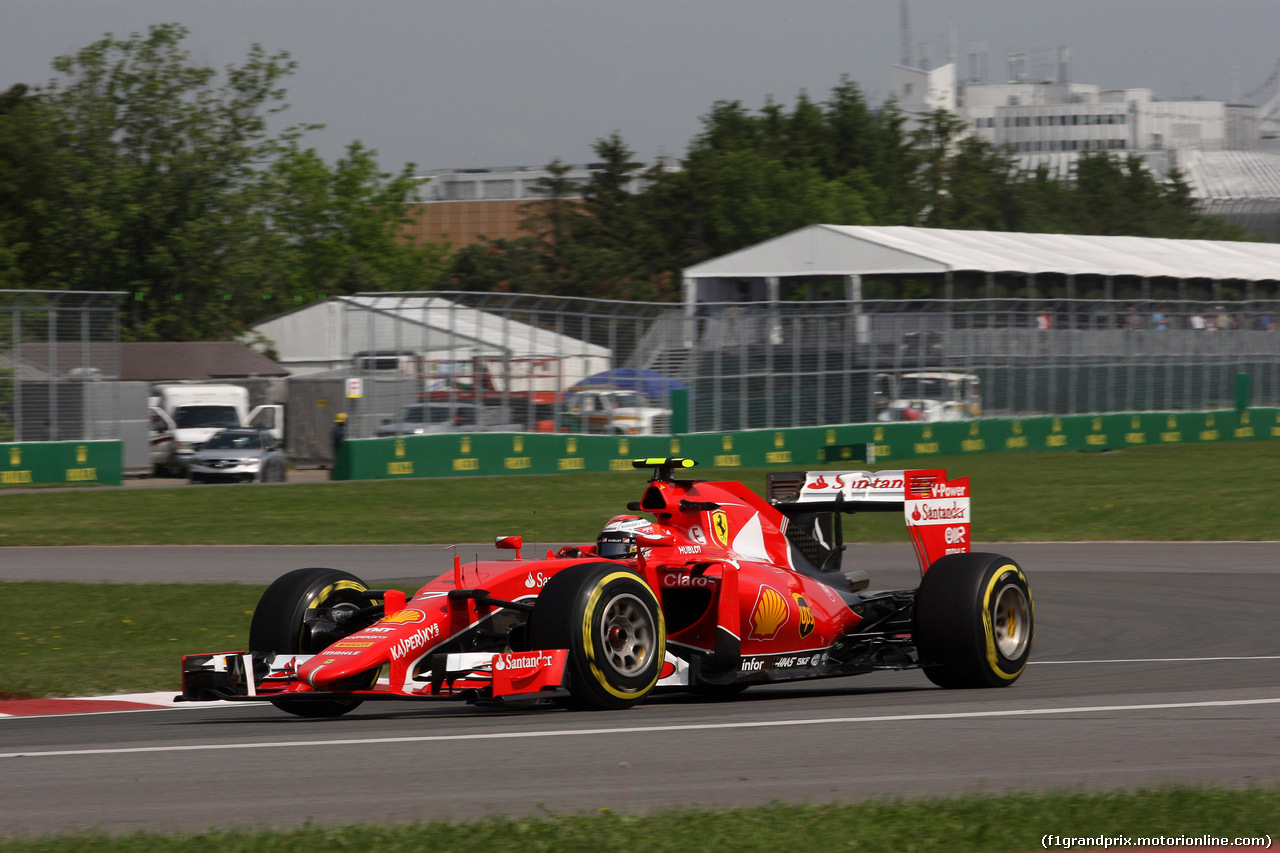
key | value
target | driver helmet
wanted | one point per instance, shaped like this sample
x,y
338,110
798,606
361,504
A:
x,y
618,539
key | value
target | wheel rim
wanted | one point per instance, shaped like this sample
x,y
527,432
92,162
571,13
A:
x,y
627,634
1012,622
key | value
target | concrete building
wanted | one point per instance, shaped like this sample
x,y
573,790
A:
x,y
464,206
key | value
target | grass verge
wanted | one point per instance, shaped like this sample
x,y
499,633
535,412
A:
x,y
99,639
1185,492
1010,823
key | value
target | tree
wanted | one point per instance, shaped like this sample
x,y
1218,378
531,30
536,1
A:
x,y
161,178
340,229
157,186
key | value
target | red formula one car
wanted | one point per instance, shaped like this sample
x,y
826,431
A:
x,y
721,590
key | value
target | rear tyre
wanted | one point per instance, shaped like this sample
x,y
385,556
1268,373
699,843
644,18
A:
x,y
284,623
611,623
974,621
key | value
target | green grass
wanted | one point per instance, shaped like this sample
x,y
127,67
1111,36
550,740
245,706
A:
x,y
1220,491
114,638
1010,823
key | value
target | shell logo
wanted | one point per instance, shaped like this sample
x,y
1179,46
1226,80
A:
x,y
399,447
405,617
768,614
465,444
675,447
571,445
15,454
82,454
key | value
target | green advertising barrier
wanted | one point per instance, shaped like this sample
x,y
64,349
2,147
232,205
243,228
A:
x,y
851,446
82,462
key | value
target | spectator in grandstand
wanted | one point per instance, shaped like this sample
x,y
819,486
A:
x,y
1197,322
1159,321
1132,319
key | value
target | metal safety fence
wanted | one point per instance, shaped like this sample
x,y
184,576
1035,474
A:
x,y
470,362
59,352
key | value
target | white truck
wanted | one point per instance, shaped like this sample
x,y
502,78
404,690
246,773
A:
x,y
928,396
184,417
614,411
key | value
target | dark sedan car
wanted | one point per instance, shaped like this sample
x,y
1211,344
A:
x,y
238,456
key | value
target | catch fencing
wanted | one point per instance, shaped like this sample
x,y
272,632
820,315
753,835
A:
x,y
796,364
59,355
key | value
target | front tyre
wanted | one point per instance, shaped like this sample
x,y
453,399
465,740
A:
x,y
974,621
301,613
610,621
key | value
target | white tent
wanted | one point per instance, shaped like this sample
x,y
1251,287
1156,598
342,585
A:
x,y
853,251
327,335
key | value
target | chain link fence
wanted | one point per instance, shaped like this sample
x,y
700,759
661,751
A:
x,y
466,361
59,359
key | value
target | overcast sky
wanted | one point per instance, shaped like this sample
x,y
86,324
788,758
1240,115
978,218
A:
x,y
480,83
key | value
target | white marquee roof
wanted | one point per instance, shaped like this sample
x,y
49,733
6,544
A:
x,y
896,249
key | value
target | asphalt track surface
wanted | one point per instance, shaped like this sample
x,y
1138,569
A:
x,y
1154,664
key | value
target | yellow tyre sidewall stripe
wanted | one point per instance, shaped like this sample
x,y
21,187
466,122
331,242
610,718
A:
x,y
588,643
988,629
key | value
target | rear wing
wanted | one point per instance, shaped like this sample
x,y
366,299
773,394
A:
x,y
936,510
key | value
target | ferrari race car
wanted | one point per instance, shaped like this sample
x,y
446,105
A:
x,y
722,589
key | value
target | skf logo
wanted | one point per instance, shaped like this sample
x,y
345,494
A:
x,y
720,527
768,614
82,454
806,615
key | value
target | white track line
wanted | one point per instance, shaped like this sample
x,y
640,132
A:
x,y
692,727
164,701
1156,660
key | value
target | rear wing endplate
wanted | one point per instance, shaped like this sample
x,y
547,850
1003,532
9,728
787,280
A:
x,y
936,510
